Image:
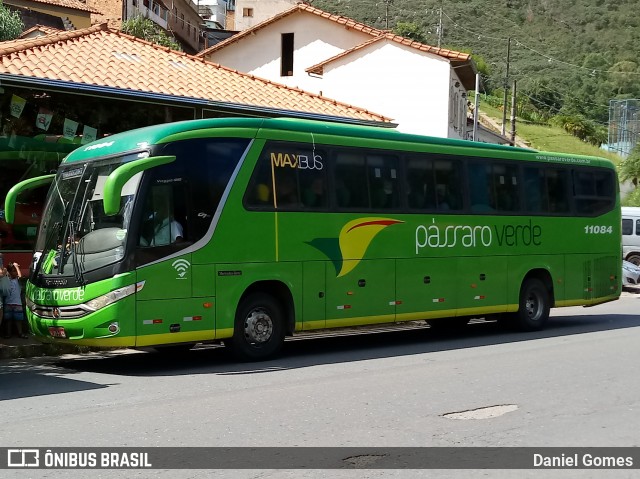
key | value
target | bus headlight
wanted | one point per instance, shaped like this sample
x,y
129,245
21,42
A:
x,y
110,298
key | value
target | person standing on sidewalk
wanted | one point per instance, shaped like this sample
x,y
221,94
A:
x,y
13,311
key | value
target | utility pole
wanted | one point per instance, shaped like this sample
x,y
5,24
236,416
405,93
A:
x,y
476,107
440,27
386,12
513,115
506,86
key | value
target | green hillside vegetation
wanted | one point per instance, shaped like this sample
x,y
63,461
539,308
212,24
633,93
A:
x,y
569,57
547,137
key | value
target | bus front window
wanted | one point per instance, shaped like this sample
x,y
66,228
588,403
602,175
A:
x,y
76,236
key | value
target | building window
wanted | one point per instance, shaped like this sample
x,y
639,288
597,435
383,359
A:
x,y
286,57
247,12
182,19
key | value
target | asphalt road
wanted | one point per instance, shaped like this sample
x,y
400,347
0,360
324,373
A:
x,y
573,385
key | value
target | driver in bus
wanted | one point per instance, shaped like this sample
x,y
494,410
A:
x,y
167,230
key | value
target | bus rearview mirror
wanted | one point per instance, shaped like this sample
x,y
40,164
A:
x,y
12,195
118,177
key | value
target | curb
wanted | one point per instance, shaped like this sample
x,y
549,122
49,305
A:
x,y
33,350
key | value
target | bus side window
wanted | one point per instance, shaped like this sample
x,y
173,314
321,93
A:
x,y
314,193
557,190
259,192
351,180
420,184
480,188
286,188
507,193
448,178
383,181
594,191
343,197
288,176
163,218
312,177
534,200
197,179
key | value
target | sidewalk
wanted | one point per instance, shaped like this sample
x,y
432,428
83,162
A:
x,y
28,348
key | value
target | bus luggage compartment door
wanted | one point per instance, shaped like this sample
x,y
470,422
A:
x,y
166,312
364,295
427,288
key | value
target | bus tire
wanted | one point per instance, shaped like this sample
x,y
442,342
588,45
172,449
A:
x,y
634,258
258,328
534,306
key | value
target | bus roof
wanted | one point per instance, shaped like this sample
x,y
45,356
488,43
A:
x,y
133,140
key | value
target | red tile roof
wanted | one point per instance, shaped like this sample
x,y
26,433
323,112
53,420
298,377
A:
x,y
301,7
45,30
347,22
466,74
105,57
449,54
73,4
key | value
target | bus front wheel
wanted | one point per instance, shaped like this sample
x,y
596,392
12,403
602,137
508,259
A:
x,y
258,329
534,306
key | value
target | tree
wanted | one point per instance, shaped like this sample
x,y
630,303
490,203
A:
x,y
11,25
146,29
629,169
411,31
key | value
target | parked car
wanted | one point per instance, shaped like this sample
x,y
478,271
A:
x,y
630,274
631,234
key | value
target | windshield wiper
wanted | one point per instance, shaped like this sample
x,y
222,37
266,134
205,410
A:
x,y
46,258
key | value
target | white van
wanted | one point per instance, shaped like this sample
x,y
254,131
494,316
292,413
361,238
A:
x,y
631,234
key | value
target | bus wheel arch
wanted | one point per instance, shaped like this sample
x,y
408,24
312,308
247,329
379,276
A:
x,y
535,299
263,317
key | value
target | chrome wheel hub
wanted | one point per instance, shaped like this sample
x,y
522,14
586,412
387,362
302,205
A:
x,y
258,326
532,307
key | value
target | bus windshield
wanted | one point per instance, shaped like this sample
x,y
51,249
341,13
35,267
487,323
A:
x,y
76,236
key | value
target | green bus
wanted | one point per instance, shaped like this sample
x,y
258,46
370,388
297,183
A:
x,y
246,231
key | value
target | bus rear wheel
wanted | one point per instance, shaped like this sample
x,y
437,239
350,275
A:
x,y
258,329
534,306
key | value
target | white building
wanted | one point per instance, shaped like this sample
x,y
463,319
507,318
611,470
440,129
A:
x,y
422,88
217,11
249,13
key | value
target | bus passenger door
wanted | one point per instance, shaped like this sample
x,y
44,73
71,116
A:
x,y
482,284
313,295
427,288
166,310
364,295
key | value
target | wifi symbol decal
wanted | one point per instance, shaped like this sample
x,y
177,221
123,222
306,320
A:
x,y
181,266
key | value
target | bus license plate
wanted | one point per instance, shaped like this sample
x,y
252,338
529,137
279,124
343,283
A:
x,y
57,332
